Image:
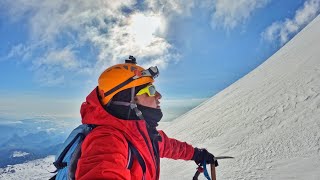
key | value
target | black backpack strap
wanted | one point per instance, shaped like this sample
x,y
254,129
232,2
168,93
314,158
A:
x,y
53,177
59,164
135,152
130,158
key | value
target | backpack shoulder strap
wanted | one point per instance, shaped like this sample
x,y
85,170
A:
x,y
76,136
130,158
68,155
53,177
134,151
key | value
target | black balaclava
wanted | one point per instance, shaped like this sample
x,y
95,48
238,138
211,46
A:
x,y
121,111
151,115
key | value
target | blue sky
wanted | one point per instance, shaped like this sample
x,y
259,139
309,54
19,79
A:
x,y
52,52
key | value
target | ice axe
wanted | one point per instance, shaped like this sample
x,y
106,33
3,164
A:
x,y
203,168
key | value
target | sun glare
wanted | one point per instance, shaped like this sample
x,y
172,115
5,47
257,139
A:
x,y
144,28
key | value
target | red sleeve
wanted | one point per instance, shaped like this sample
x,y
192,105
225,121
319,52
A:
x,y
104,156
174,149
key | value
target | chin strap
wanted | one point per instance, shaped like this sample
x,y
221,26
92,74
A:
x,y
137,111
132,104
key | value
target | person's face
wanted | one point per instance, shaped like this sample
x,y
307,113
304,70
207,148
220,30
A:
x,y
149,101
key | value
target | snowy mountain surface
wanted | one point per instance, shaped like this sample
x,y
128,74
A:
x,y
268,120
36,170
19,154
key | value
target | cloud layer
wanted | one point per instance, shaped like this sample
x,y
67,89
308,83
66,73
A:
x,y
281,31
83,38
231,13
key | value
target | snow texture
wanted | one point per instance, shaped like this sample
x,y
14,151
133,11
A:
x,y
36,170
19,154
268,120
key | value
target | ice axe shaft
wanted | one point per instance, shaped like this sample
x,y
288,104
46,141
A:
x,y
196,175
223,157
213,172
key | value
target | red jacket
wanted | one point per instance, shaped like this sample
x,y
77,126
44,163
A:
x,y
105,150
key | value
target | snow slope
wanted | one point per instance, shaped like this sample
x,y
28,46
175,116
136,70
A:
x,y
36,170
269,120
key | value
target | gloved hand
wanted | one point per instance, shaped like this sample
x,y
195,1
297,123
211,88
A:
x,y
200,155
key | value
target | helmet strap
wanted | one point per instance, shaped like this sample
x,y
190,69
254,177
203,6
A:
x,y
132,104
131,101
137,111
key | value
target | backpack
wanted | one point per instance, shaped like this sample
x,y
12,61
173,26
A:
x,y
67,157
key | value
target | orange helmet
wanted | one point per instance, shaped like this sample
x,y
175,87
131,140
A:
x,y
124,76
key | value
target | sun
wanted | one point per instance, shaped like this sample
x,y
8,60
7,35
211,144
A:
x,y
145,28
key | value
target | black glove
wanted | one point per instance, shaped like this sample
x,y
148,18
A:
x,y
200,155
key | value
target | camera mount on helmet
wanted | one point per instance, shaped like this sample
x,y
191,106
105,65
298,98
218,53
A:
x,y
131,60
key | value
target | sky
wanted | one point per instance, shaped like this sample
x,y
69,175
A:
x,y
52,52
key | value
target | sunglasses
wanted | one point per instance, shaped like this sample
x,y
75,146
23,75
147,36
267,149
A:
x,y
150,90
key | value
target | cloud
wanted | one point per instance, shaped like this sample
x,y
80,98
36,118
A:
x,y
64,58
227,14
18,50
40,107
19,154
281,32
177,7
51,130
48,67
231,13
80,36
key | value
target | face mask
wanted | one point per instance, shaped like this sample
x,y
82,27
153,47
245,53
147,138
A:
x,y
151,115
